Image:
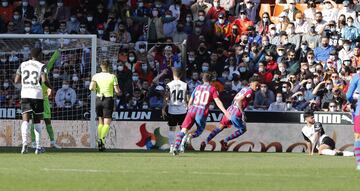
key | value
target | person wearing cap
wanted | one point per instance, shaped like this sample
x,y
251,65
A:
x,y
316,139
301,25
329,11
215,10
309,12
283,22
156,100
263,26
312,37
350,32
243,21
291,10
251,9
199,5
347,10
104,84
221,26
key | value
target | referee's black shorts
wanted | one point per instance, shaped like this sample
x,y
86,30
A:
x,y
35,106
104,107
174,120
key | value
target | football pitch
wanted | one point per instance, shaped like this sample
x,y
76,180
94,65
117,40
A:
x,y
190,171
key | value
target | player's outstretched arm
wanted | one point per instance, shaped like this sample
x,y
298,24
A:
x,y
222,108
352,88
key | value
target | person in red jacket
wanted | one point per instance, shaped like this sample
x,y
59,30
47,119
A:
x,y
265,76
144,71
214,11
243,22
271,64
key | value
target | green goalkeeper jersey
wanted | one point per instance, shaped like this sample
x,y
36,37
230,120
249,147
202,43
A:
x,y
49,67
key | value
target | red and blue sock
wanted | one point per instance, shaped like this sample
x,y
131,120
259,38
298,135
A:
x,y
213,134
179,137
235,135
357,152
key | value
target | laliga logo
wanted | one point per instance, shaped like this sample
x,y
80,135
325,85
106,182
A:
x,y
151,140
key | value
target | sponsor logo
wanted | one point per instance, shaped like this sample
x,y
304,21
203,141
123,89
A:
x,y
330,118
132,115
9,113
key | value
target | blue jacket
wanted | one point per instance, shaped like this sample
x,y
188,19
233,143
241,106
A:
x,y
322,54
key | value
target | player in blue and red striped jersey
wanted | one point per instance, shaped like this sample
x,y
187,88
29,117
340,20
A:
x,y
237,118
198,109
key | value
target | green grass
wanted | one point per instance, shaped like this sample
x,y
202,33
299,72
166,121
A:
x,y
191,171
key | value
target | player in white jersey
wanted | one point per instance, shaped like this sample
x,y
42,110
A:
x,y
30,74
176,104
315,138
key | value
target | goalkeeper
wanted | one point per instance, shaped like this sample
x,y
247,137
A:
x,y
47,110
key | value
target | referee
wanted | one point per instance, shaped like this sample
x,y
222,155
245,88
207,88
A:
x,y
104,84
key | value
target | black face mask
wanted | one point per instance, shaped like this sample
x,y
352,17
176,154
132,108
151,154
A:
x,y
245,41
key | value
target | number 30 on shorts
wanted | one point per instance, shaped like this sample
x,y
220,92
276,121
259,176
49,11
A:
x,y
201,97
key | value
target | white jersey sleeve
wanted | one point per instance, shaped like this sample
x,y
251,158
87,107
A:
x,y
177,92
31,72
309,135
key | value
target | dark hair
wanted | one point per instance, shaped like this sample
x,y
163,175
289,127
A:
x,y
36,52
177,72
206,77
308,113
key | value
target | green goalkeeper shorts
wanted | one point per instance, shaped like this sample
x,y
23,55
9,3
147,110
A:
x,y
47,110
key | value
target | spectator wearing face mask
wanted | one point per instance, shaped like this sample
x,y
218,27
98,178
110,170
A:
x,y
279,104
330,11
350,32
324,91
156,100
347,10
25,10
301,25
221,26
263,98
36,27
66,96
124,76
263,26
264,75
293,38
312,37
233,36
73,25
291,10
250,7
307,87
17,23
144,71
300,103
274,37
169,28
243,22
215,10
60,12
290,105
6,11
198,6
283,21
322,52
345,53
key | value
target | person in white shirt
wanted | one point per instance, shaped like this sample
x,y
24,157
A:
x,y
330,11
347,10
315,138
175,110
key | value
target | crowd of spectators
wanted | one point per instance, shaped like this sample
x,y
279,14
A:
x,y
303,59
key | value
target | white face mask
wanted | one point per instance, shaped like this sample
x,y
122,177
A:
x,y
89,19
261,69
25,4
329,87
6,84
265,20
201,18
284,90
82,30
142,50
75,78
188,19
16,17
5,4
60,4
120,68
346,47
73,19
205,68
131,59
300,98
280,53
247,59
282,69
145,106
221,21
100,32
279,99
332,109
65,86
56,75
113,39
308,86
288,105
135,78
33,22
272,32
144,67
42,3
86,83
27,29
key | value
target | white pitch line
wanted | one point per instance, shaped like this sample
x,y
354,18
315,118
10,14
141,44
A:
x,y
192,172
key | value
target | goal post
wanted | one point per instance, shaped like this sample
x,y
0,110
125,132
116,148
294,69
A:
x,y
13,44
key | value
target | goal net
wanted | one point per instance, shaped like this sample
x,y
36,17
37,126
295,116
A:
x,y
71,61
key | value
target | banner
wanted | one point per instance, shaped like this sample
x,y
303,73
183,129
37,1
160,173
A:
x,y
214,116
259,137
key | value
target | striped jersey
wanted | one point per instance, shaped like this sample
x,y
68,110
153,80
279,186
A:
x,y
247,92
202,96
